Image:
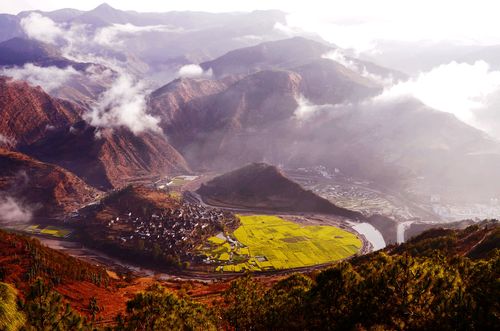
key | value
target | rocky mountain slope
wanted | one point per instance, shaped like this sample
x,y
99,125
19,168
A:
x,y
320,111
52,130
107,158
27,114
41,189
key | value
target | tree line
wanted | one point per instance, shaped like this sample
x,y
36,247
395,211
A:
x,y
430,283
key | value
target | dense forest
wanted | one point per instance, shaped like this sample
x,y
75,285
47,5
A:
x,y
440,280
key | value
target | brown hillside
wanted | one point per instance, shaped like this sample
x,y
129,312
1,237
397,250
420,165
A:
x,y
264,187
111,157
27,113
47,189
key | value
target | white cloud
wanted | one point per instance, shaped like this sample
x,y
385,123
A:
x,y
71,38
113,35
337,55
41,28
14,211
469,91
49,78
193,71
124,104
306,109
287,30
360,24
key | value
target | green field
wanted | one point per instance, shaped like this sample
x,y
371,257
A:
x,y
269,243
180,180
50,230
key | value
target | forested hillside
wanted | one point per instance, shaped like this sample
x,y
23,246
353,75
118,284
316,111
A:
x,y
440,280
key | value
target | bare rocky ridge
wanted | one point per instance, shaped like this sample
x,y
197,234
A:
x,y
286,54
18,51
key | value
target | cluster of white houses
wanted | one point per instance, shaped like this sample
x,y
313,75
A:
x,y
168,230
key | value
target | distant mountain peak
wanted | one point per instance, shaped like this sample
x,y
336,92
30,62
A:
x,y
104,7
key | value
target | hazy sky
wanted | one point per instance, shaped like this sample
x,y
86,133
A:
x,y
354,23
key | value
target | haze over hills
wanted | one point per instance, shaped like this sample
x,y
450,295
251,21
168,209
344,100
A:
x,y
263,187
259,94
301,117
150,42
286,54
40,63
244,104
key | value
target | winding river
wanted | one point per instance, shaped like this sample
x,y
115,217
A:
x,y
371,234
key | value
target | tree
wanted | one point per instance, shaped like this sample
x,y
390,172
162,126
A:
x,y
93,308
332,301
157,309
45,310
11,318
243,303
285,304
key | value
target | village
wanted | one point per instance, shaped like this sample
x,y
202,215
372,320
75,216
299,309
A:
x,y
350,193
169,231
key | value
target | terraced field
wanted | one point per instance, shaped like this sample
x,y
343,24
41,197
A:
x,y
50,230
265,242
180,180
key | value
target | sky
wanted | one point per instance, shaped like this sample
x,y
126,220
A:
x,y
350,24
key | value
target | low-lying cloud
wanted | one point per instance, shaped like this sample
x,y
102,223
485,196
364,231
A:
x,y
113,35
14,211
337,55
306,109
194,71
124,104
469,91
49,78
42,28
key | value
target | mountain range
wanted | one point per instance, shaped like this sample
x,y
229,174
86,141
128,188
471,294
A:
x,y
294,102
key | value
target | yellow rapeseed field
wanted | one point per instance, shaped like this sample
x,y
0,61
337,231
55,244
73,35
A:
x,y
264,242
